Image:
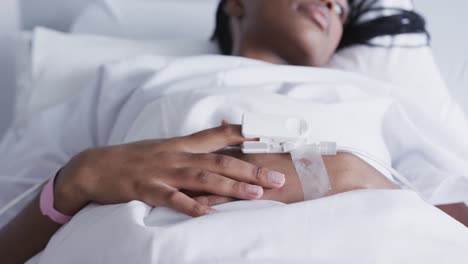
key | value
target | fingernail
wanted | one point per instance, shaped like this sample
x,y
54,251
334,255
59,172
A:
x,y
254,190
276,178
211,211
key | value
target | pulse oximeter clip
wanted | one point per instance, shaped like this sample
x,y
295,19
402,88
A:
x,y
279,134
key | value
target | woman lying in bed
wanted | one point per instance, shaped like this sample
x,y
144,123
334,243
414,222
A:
x,y
192,173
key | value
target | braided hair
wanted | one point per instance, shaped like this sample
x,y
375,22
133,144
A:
x,y
356,29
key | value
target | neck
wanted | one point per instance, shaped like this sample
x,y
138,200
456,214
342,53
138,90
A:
x,y
251,51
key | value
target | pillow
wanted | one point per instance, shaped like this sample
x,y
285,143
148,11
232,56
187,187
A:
x,y
413,70
55,66
155,19
145,19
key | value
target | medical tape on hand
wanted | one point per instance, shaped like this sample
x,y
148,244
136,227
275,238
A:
x,y
311,171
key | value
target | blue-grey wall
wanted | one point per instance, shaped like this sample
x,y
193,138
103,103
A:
x,y
8,27
446,21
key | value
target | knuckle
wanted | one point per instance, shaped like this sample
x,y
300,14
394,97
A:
x,y
260,173
202,177
222,161
237,187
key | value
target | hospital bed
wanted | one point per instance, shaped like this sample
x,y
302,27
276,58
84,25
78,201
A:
x,y
24,16
444,21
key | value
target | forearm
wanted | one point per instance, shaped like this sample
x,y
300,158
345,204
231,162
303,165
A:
x,y
457,211
26,235
30,231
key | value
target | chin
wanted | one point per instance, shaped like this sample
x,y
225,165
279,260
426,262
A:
x,y
312,58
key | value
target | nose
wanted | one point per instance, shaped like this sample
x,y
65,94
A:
x,y
329,3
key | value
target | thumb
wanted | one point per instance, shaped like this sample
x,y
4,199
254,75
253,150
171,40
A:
x,y
225,122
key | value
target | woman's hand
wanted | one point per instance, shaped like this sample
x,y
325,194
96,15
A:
x,y
346,172
159,172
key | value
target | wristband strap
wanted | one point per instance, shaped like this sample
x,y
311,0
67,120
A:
x,y
46,204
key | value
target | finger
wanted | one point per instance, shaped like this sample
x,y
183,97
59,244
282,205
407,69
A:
x,y
181,202
199,180
214,139
212,200
187,205
236,169
225,122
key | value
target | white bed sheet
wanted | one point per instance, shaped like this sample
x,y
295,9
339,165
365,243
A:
x,y
225,88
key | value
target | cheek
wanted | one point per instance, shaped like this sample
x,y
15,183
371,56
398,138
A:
x,y
268,20
327,43
317,47
336,32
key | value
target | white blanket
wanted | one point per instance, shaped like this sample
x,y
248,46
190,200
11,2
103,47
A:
x,y
357,227
157,98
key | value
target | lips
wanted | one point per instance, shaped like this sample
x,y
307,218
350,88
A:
x,y
316,12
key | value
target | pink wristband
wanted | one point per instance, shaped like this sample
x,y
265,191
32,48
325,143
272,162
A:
x,y
47,204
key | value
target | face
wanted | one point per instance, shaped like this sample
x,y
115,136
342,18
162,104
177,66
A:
x,y
299,32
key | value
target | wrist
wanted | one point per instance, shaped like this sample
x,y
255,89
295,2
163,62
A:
x,y
69,194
